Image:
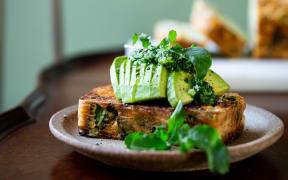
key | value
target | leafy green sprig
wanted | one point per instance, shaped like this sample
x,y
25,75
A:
x,y
193,59
180,134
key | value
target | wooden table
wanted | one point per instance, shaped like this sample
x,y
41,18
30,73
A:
x,y
31,152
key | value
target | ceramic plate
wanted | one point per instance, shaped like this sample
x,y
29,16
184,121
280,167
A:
x,y
262,129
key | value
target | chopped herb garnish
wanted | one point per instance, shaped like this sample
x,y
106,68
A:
x,y
180,134
202,92
192,60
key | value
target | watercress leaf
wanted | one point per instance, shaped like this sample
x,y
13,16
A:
x,y
208,139
175,122
177,118
161,132
172,36
135,38
131,137
148,142
164,43
201,60
185,144
145,39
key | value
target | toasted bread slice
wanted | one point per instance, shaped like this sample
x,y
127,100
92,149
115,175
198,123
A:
x,y
101,115
217,27
269,28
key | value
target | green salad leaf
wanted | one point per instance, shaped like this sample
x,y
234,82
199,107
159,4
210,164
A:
x,y
207,139
200,58
162,132
164,43
175,122
135,38
180,134
145,39
172,36
141,141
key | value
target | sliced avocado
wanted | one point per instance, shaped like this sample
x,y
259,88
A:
x,y
218,84
142,87
153,85
132,79
150,70
114,74
126,88
159,82
135,73
122,78
177,87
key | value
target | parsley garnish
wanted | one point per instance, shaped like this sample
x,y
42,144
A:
x,y
180,134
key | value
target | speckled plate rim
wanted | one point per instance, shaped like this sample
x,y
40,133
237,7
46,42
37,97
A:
x,y
270,137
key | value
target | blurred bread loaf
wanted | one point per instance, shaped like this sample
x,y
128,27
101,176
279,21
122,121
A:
x,y
186,34
269,28
217,27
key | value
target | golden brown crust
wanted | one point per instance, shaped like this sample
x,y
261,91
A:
x,y
227,116
272,29
209,23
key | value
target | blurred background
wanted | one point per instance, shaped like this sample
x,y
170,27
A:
x,y
28,41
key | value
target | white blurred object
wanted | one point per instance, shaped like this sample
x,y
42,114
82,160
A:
x,y
128,46
252,75
185,31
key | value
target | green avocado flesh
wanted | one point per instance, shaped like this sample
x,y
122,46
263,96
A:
x,y
218,84
177,88
134,81
114,74
126,86
121,92
153,84
142,89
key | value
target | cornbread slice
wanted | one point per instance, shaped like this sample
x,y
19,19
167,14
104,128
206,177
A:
x,y
220,29
101,115
186,34
269,28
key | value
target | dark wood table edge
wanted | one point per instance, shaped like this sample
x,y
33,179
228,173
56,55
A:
x,y
24,113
